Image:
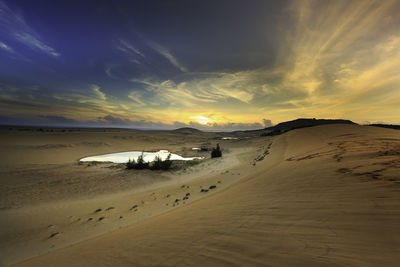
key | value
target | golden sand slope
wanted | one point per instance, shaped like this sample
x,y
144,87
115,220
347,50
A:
x,y
327,195
49,201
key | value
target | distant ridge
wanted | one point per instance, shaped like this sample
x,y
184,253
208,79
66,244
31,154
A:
x,y
300,123
390,126
187,130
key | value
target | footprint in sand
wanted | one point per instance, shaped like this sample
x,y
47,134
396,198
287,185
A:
x,y
133,207
53,234
98,210
100,219
110,208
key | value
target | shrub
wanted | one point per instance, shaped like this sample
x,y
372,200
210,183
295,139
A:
x,y
139,165
157,164
131,164
216,152
166,164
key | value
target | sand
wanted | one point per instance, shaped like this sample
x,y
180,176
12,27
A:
x,y
325,195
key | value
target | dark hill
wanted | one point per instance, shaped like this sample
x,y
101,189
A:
x,y
300,123
187,130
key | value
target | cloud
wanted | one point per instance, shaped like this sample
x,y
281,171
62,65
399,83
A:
x,y
341,57
99,94
6,47
330,59
126,47
110,120
116,121
58,120
166,54
109,73
241,91
230,126
15,27
136,98
33,42
88,95
267,123
335,59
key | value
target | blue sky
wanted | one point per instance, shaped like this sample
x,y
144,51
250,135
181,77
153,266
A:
x,y
214,65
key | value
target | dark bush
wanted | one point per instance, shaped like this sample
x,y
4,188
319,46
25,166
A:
x,y
166,164
139,165
216,152
131,164
157,164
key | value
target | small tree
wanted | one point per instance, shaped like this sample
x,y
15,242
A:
x,y
216,152
166,164
159,164
131,164
141,164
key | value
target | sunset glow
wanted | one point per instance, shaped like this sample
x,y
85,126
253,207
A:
x,y
202,120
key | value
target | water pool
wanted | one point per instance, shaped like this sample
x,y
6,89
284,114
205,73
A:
x,y
123,157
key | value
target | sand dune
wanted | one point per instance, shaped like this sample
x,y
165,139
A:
x,y
49,200
320,196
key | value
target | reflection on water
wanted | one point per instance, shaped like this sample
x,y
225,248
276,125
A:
x,y
123,157
229,138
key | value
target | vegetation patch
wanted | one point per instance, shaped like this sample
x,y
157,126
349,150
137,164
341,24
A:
x,y
216,152
159,164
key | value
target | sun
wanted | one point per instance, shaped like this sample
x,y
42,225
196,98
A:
x,y
202,120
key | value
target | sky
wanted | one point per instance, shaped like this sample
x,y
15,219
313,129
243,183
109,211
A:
x,y
212,65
